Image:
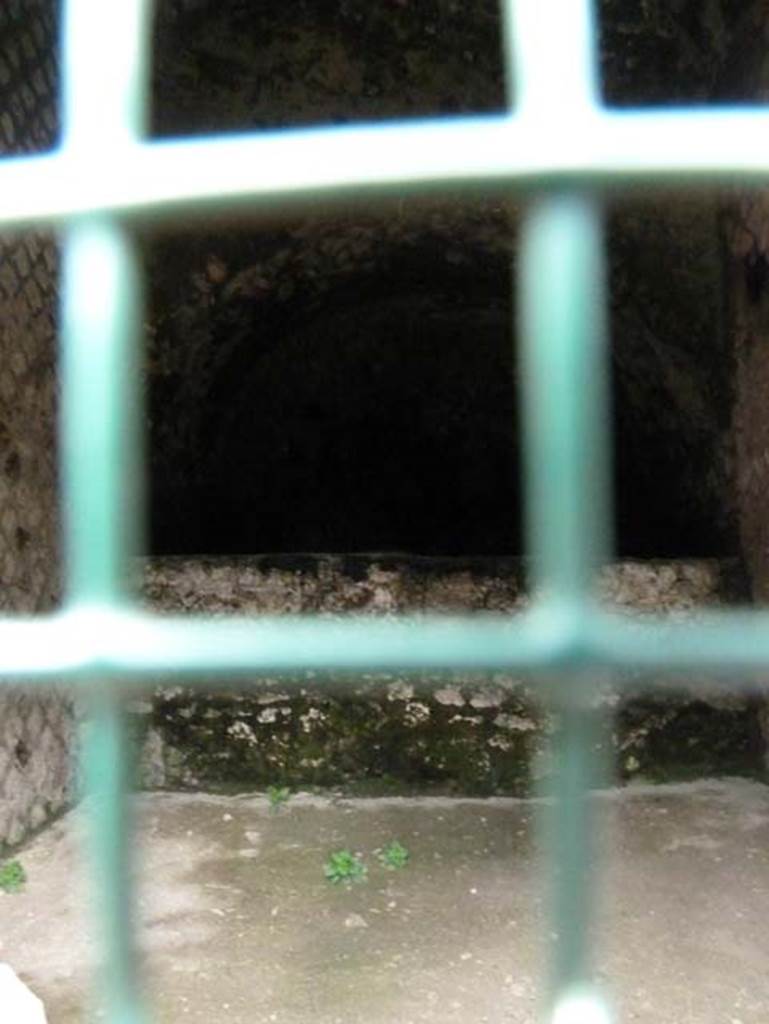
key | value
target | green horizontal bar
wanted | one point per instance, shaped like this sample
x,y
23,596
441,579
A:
x,y
549,639
277,171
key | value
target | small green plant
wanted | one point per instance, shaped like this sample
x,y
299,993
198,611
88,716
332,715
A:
x,y
394,855
344,866
12,876
278,796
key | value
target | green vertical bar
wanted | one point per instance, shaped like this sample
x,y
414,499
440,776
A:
x,y
564,371
102,506
550,49
105,774
105,59
552,68
100,403
571,834
564,393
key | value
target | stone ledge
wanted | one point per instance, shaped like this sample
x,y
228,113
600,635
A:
x,y
465,732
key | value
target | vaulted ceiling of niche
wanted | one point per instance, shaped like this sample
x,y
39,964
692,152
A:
x,y
267,339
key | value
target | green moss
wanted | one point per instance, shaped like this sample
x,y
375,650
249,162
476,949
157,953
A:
x,y
12,876
685,740
373,747
358,739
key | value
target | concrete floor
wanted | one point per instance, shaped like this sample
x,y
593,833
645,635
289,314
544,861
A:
x,y
239,924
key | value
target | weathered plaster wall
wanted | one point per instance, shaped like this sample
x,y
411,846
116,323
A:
x,y
462,732
35,728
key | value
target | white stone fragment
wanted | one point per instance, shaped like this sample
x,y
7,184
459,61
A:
x,y
449,695
355,921
19,1004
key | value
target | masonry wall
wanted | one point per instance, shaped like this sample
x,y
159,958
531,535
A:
x,y
495,724
462,732
35,728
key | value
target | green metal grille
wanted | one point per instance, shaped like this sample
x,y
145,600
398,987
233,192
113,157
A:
x,y
561,150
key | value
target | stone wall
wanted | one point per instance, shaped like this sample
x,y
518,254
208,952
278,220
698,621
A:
x,y
745,234
462,732
35,727
205,321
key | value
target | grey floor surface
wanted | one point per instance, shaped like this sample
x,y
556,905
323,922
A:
x,y
239,924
